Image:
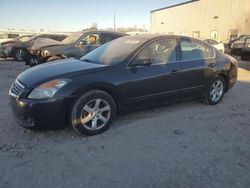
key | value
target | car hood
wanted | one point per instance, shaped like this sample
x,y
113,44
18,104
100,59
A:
x,y
44,42
8,42
59,69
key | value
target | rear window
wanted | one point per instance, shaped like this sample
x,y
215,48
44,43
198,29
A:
x,y
193,50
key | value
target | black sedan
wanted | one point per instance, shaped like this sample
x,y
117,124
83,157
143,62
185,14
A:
x,y
75,45
129,72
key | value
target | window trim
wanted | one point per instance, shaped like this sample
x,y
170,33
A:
x,y
128,67
198,41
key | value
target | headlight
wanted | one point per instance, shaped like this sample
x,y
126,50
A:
x,y
45,53
48,89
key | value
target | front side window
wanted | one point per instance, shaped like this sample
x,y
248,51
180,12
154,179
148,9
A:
x,y
158,52
90,39
13,36
193,50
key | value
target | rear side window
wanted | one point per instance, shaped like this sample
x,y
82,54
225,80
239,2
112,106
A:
x,y
105,37
13,36
194,50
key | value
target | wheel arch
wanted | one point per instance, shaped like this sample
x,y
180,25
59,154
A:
x,y
16,48
106,87
226,78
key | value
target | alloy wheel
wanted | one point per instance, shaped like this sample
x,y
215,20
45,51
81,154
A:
x,y
20,55
216,91
95,114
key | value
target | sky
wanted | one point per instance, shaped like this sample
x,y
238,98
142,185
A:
x,y
74,15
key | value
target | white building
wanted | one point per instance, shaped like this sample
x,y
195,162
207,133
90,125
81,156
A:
x,y
216,19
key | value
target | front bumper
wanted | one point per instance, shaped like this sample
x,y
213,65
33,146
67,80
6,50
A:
x,y
40,113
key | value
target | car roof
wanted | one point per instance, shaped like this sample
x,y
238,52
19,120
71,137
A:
x,y
101,31
155,36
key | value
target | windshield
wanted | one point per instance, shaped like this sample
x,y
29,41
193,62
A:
x,y
113,52
24,38
244,38
72,38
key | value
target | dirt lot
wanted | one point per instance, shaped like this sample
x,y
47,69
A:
x,y
186,145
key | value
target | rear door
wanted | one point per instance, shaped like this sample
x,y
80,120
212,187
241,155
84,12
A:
x,y
198,66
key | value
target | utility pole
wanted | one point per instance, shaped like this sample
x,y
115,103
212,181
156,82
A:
x,y
114,22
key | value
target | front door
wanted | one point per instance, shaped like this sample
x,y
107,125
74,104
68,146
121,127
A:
x,y
153,74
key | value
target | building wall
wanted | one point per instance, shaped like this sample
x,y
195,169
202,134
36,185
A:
x,y
211,18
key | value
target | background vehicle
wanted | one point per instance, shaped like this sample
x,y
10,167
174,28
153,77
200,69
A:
x,y
233,39
216,44
18,39
245,52
129,72
19,49
75,45
236,46
8,36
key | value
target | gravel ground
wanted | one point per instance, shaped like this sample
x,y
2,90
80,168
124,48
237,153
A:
x,y
185,145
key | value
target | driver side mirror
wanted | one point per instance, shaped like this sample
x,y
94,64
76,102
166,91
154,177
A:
x,y
142,62
82,43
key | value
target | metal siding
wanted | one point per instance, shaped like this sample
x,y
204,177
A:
x,y
199,16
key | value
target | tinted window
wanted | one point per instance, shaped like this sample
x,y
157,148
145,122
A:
x,y
159,52
13,35
113,52
105,37
191,50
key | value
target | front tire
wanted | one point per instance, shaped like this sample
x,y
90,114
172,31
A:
x,y
92,113
33,61
215,91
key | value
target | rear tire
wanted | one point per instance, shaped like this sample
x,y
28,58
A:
x,y
20,54
92,113
215,91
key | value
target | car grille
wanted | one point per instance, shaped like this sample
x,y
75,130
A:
x,y
16,89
